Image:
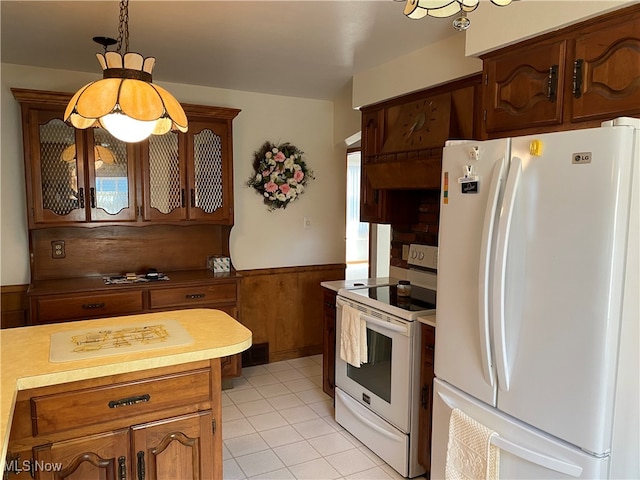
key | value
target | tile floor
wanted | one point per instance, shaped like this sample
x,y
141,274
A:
x,y
277,423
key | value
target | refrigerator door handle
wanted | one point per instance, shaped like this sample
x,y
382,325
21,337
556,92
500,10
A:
x,y
485,264
500,272
537,457
523,452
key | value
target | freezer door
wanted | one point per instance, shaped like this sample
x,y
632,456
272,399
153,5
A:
x,y
524,452
558,282
468,210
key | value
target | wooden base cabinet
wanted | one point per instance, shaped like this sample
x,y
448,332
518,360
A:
x,y
83,299
103,456
177,448
146,437
426,397
329,342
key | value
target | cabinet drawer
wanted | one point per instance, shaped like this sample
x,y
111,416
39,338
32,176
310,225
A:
x,y
192,296
56,309
65,411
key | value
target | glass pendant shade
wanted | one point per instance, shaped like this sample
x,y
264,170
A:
x,y
101,155
125,102
416,9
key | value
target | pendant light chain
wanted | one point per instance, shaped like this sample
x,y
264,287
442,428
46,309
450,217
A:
x,y
123,29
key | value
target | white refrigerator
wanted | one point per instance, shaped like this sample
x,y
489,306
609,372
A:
x,y
537,316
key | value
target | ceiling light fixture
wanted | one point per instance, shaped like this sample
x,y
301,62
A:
x,y
125,102
417,9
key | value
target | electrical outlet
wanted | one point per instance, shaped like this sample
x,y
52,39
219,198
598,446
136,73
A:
x,y
57,249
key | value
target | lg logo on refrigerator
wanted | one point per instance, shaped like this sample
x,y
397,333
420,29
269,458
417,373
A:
x,y
582,157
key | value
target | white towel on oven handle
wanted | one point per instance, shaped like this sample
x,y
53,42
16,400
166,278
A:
x,y
353,337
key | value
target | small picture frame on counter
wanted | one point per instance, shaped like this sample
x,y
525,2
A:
x,y
219,264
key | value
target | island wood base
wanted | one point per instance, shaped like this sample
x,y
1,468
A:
x,y
159,423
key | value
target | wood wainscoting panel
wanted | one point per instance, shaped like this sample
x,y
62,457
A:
x,y
284,307
14,305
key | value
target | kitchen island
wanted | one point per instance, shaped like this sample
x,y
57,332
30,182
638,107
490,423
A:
x,y
142,390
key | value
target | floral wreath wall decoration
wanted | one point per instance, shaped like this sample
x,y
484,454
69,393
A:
x,y
280,174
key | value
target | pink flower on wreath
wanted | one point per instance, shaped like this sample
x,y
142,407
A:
x,y
298,175
266,173
284,188
279,157
270,187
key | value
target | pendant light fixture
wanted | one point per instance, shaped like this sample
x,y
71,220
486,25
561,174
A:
x,y
417,9
125,102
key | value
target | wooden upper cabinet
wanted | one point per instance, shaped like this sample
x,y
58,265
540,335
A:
x,y
371,201
521,87
189,177
572,78
607,71
74,176
209,169
402,143
80,177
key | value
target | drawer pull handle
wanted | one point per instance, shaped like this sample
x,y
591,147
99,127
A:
x,y
141,472
129,401
93,306
122,468
193,296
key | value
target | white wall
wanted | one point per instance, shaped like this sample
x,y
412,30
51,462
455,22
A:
x,y
260,239
430,66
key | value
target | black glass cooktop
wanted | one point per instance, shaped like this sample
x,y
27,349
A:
x,y
420,299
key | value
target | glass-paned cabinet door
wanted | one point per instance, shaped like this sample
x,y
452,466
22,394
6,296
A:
x,y
165,195
111,167
57,176
209,172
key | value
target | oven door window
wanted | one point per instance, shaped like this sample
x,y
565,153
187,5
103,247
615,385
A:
x,y
375,375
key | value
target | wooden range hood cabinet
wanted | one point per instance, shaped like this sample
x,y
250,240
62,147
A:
x,y
411,134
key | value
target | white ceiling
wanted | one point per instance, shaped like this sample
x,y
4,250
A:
x,y
300,48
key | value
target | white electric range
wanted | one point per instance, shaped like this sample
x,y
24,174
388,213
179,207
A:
x,y
378,402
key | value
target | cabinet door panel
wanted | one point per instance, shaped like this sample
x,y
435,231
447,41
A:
x,y
609,80
58,189
111,167
523,88
98,457
181,448
164,178
209,171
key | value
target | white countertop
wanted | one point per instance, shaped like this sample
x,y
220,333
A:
x,y
428,320
24,356
336,285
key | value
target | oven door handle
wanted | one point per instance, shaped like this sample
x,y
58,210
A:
x,y
381,323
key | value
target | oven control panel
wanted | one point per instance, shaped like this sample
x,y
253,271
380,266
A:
x,y
424,256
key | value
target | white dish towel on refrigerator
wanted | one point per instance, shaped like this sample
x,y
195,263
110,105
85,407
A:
x,y
353,337
470,454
